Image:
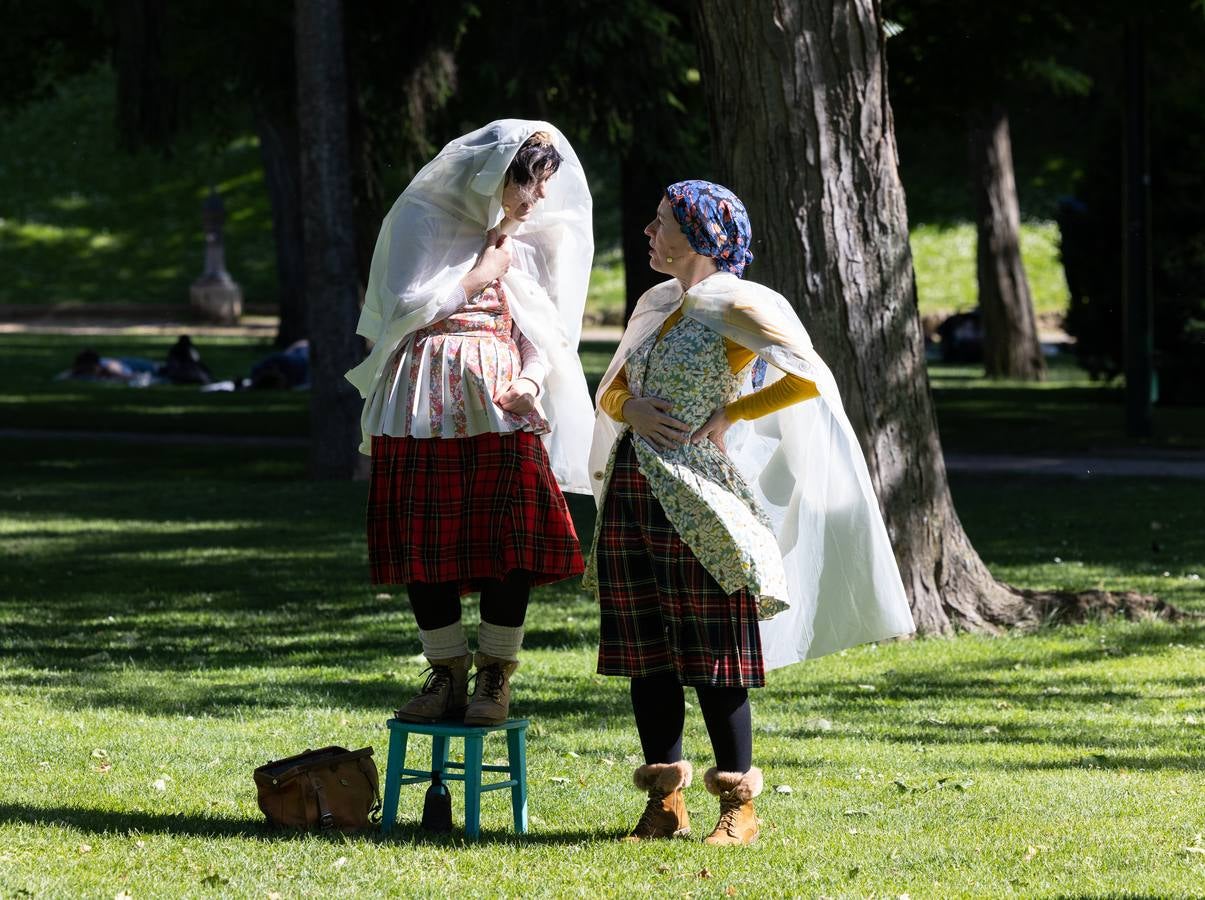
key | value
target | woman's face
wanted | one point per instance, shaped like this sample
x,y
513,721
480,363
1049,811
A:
x,y
518,203
669,249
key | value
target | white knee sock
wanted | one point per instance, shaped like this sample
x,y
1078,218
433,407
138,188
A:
x,y
444,643
499,641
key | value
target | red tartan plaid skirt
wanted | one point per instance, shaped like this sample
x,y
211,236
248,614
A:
x,y
661,611
466,510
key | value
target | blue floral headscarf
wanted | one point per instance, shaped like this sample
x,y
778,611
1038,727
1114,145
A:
x,y
714,221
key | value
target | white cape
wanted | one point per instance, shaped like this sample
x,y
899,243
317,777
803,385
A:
x,y
432,237
805,467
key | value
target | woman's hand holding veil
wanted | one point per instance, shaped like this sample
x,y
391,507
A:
x,y
491,265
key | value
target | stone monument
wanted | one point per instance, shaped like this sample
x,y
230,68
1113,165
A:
x,y
215,295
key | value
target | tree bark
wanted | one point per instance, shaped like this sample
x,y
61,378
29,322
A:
x,y
280,151
330,274
1010,333
803,133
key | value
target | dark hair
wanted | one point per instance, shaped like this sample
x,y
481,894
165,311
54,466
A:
x,y
536,160
86,362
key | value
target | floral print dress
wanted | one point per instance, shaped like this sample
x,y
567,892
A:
x,y
445,377
701,491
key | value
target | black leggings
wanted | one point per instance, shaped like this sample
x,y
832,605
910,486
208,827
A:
x,y
503,601
660,707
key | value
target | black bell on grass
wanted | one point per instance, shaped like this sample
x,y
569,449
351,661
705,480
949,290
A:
x,y
437,807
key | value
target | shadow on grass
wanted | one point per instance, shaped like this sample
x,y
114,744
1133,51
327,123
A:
x,y
111,822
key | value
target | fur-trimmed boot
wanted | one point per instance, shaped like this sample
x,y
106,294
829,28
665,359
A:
x,y
736,790
665,813
490,703
444,694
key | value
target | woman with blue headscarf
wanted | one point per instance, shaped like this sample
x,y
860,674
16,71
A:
x,y
737,531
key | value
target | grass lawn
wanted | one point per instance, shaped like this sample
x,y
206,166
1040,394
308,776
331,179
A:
x,y
1069,413
944,257
84,222
169,621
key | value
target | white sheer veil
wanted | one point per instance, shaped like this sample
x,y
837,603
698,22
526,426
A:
x,y
806,469
432,237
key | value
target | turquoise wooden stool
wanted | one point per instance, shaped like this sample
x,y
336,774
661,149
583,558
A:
x,y
396,773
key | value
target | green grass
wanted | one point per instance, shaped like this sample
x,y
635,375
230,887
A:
x,y
944,259
84,222
1069,413
31,398
180,619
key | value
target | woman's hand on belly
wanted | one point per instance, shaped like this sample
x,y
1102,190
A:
x,y
518,397
649,418
714,429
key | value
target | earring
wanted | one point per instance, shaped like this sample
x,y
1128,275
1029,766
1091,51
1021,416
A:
x,y
669,259
506,209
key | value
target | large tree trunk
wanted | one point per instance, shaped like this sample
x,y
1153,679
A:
x,y
640,188
280,151
331,278
798,99
1010,334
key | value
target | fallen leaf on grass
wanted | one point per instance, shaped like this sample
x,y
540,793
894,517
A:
x,y
730,891
1030,853
664,869
122,895
856,812
703,873
990,729
559,779
273,895
85,848
104,768
783,789
955,783
98,753
339,863
933,720
867,687
139,844
160,784
1200,850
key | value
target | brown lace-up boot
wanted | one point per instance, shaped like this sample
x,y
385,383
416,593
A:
x,y
738,822
443,695
490,703
665,813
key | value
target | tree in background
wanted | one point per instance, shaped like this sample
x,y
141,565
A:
x,y
332,297
621,78
230,64
1090,225
965,65
798,99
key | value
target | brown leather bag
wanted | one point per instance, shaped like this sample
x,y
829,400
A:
x,y
329,788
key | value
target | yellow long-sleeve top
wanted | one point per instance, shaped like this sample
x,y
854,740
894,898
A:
x,y
771,398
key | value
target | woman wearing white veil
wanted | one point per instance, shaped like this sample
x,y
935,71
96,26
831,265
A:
x,y
476,412
738,531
